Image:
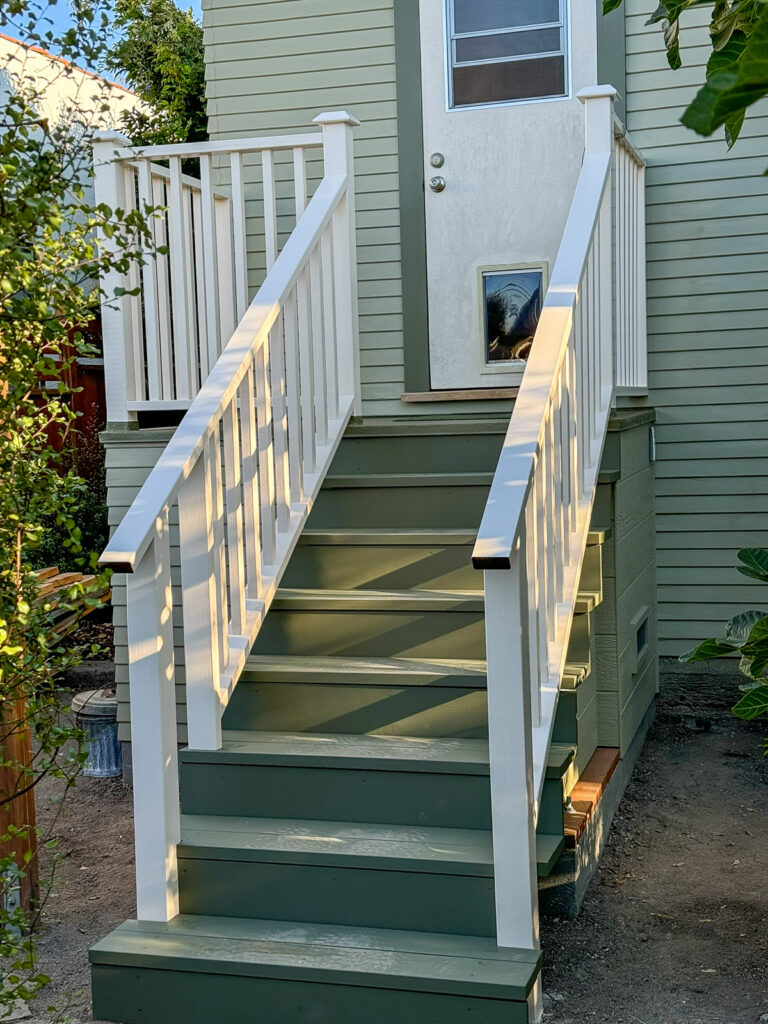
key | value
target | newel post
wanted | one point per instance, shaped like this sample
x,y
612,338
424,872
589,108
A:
x,y
153,729
510,743
109,189
338,160
598,103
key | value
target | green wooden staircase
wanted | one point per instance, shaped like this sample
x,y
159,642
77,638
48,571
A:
x,y
336,859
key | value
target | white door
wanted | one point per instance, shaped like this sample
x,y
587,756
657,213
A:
x,y
509,167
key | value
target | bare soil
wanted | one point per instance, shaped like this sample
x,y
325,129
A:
x,y
674,928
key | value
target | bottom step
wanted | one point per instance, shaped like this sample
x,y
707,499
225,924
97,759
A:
x,y
196,970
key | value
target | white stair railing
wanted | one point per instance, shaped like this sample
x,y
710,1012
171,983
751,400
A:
x,y
244,467
629,266
534,529
162,339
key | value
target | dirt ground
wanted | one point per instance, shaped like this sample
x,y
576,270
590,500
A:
x,y
674,928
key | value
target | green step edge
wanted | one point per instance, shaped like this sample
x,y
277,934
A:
x,y
415,961
374,752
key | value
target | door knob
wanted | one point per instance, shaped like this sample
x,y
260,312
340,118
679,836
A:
x,y
437,184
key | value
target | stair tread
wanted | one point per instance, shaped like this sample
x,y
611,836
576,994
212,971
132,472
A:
x,y
458,478
416,847
317,598
383,958
375,752
306,841
332,665
374,536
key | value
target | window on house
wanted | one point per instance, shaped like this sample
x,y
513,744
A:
x,y
501,51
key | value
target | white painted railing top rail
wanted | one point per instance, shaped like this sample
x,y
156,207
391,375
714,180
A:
x,y
162,340
534,530
244,467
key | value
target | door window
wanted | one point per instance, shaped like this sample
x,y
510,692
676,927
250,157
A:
x,y
503,51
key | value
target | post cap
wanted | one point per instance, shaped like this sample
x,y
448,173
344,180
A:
x,y
335,117
109,135
596,92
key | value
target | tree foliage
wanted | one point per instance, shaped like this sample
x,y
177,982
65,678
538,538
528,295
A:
x,y
49,267
737,69
159,52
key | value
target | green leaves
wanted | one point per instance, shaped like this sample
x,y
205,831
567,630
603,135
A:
x,y
752,704
755,563
737,70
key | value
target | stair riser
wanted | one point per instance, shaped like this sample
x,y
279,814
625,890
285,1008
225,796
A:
x,y
384,567
140,995
431,453
408,900
349,708
419,507
337,794
382,633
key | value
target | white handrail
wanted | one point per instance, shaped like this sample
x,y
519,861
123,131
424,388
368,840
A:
x,y
244,468
533,534
131,538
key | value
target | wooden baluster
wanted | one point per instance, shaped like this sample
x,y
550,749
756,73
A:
x,y
573,447
531,576
250,463
329,328
318,355
563,463
149,606
270,209
306,374
225,271
548,534
133,324
201,603
266,456
203,345
219,548
179,258
149,280
641,343
160,230
193,364
210,275
239,237
299,181
234,496
292,391
280,425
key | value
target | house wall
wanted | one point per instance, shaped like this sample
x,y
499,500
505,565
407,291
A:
x,y
274,66
707,217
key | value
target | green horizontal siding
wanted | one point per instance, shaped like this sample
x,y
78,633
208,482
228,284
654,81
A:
x,y
707,218
273,67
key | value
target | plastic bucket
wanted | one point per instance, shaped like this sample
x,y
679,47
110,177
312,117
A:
x,y
96,714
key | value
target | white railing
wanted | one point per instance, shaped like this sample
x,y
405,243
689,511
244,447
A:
x,y
244,467
161,341
534,530
629,266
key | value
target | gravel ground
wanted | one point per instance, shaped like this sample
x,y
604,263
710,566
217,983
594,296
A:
x,y
674,928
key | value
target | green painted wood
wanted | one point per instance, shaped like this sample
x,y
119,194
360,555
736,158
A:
x,y
330,894
341,956
548,850
411,181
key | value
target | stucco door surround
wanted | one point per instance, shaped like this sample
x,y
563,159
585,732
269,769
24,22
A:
x,y
509,170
